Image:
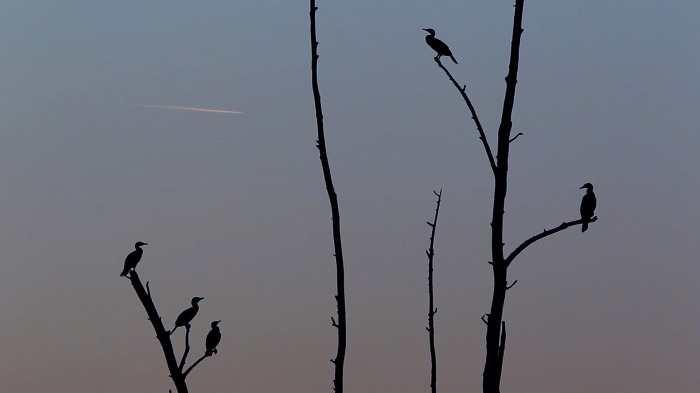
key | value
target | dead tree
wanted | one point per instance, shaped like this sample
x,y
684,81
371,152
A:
x,y
340,325
431,306
178,372
496,327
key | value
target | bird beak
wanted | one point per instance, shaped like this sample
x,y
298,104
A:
x,y
145,244
425,29
582,187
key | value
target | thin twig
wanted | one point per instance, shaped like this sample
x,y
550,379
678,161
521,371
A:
x,y
482,134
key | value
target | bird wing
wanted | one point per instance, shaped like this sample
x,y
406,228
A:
x,y
213,339
185,317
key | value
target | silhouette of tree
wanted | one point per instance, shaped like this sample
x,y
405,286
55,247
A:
x,y
496,327
177,370
431,306
340,325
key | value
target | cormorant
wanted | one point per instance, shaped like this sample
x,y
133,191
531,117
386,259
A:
x,y
587,206
188,315
133,258
213,338
438,46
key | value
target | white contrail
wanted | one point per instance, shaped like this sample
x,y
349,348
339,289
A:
x,y
188,108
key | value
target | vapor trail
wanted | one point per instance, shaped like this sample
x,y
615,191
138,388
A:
x,y
188,108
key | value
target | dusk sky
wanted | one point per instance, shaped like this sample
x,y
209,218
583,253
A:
x,y
100,149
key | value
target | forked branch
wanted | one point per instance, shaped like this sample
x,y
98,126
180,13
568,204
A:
x,y
161,334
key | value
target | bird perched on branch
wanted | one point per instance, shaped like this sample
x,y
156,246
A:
x,y
213,338
188,315
133,258
438,46
587,206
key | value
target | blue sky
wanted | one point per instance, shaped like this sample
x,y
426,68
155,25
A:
x,y
234,210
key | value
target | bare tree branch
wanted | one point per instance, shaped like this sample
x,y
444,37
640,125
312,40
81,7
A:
x,y
187,347
161,334
482,135
515,137
545,233
190,368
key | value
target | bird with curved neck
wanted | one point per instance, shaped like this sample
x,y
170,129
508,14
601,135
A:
x,y
213,338
438,46
588,203
133,258
188,315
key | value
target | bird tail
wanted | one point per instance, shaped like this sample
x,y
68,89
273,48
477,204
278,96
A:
x,y
453,59
124,272
208,352
584,226
173,331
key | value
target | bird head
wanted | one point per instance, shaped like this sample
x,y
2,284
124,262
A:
x,y
430,31
587,186
196,300
215,324
139,244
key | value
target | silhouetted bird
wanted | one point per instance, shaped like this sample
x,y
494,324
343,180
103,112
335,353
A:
x,y
438,46
587,206
188,315
133,258
213,338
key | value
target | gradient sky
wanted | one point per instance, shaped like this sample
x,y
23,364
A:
x,y
234,208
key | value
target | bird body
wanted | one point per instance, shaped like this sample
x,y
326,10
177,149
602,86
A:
x,y
588,203
438,46
133,258
213,338
188,315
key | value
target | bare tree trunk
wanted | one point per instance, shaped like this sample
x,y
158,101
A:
x,y
339,360
431,307
494,359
